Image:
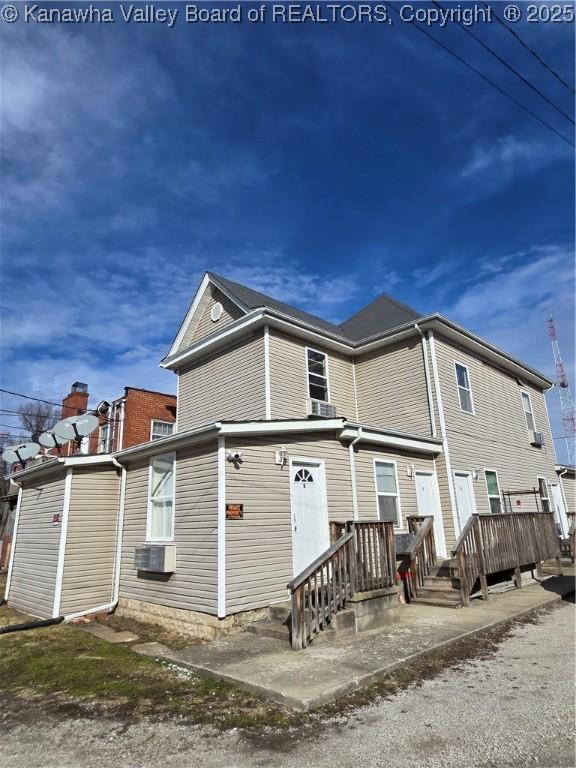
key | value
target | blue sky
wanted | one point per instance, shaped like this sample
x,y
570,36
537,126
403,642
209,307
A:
x,y
321,163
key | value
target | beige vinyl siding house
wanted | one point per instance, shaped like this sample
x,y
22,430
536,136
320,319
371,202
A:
x,y
36,546
494,435
88,569
193,586
229,385
202,324
289,392
391,388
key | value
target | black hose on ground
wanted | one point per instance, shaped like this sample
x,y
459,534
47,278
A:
x,y
31,625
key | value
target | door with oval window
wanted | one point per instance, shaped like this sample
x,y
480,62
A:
x,y
310,532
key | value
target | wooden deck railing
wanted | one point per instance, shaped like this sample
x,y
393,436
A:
x,y
362,558
421,555
500,542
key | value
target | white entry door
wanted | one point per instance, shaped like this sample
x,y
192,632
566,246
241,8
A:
x,y
429,504
310,533
464,497
560,508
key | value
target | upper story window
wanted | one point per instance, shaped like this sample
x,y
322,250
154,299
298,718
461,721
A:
x,y
464,388
493,491
161,429
528,414
387,491
317,367
160,521
544,495
104,438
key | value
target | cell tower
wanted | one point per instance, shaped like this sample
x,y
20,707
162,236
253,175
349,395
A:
x,y
566,399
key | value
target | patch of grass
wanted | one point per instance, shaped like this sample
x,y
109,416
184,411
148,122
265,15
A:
x,y
68,669
10,616
149,633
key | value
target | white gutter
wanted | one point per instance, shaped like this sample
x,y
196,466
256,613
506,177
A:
x,y
392,441
427,377
221,589
353,472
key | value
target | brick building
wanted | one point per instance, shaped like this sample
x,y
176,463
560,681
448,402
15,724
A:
x,y
139,416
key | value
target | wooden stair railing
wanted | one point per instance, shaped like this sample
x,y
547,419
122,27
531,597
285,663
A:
x,y
361,559
421,555
322,590
469,555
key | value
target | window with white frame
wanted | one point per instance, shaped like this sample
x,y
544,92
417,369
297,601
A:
x,y
544,495
493,491
161,429
528,414
104,438
387,492
317,367
160,525
464,388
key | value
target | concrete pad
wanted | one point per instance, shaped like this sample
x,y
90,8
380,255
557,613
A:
x,y
107,633
153,649
309,678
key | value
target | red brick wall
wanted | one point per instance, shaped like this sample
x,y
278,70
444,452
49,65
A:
x,y
141,408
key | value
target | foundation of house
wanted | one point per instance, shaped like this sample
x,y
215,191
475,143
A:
x,y
202,626
376,608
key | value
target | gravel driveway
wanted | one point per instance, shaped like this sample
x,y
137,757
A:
x,y
513,709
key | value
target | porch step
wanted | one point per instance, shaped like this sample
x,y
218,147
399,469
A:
x,y
267,628
437,588
278,625
439,601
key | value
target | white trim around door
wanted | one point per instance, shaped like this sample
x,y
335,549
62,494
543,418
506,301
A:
x,y
308,516
467,506
428,500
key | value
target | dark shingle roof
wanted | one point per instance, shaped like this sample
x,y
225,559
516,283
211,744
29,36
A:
x,y
380,315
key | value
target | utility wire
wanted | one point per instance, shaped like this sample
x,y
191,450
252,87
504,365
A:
x,y
530,50
11,426
510,67
38,399
487,79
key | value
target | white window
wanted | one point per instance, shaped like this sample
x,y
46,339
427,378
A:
x,y
161,429
103,442
493,489
544,495
160,524
529,416
387,491
317,367
464,388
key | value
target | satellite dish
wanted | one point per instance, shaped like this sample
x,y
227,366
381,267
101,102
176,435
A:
x,y
50,440
20,453
75,427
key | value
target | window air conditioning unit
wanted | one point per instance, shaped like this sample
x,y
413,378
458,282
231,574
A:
x,y
537,439
156,558
322,409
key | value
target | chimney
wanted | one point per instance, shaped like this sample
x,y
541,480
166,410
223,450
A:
x,y
76,402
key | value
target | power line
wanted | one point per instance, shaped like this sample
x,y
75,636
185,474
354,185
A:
x,y
510,67
487,79
38,399
11,426
531,51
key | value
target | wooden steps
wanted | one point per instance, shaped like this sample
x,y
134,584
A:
x,y
277,626
441,587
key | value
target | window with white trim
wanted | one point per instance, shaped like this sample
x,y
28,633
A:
x,y
317,367
161,429
160,523
493,490
544,494
104,438
387,492
528,413
464,388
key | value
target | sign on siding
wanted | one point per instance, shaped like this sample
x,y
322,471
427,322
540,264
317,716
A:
x,y
234,511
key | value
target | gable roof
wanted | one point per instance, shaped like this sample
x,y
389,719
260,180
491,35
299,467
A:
x,y
380,315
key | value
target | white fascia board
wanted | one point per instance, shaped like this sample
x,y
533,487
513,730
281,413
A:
x,y
62,544
169,443
392,440
190,314
80,461
281,427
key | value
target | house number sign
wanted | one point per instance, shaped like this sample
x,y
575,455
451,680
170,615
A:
x,y
234,511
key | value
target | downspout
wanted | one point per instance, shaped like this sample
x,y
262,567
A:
x,y
427,377
560,476
353,471
108,607
14,535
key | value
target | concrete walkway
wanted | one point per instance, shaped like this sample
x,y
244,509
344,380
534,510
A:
x,y
306,679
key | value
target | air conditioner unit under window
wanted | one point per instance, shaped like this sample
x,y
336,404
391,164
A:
x,y
322,409
537,439
157,558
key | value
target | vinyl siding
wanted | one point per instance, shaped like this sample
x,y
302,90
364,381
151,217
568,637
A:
x,y
569,486
391,388
193,586
91,541
36,547
289,379
259,547
495,436
227,386
201,324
